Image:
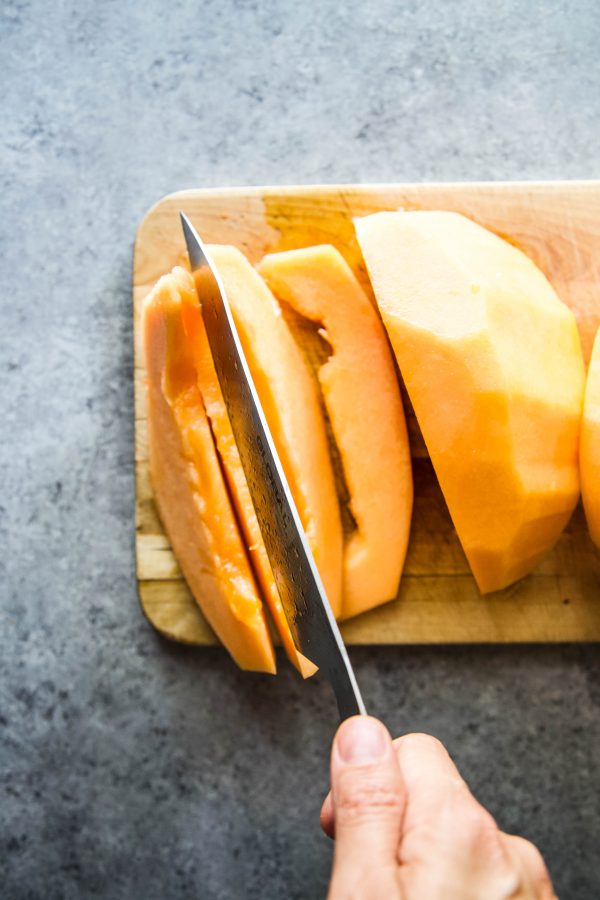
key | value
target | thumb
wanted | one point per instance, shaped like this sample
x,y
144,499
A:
x,y
368,804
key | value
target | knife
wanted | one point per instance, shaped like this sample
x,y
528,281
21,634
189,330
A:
x,y
312,623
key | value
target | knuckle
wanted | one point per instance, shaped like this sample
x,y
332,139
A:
x,y
360,802
534,863
533,855
475,828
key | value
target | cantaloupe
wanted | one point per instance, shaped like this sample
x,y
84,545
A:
x,y
216,411
492,363
362,398
190,493
291,405
590,445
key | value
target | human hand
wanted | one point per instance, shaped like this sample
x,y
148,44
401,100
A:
x,y
406,826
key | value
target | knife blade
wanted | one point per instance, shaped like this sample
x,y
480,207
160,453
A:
x,y
312,623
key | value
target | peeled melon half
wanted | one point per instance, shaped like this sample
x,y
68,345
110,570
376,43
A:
x,y
492,362
590,445
362,397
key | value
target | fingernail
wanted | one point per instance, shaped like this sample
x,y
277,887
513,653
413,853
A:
x,y
362,740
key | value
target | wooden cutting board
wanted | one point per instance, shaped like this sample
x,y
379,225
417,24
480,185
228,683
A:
x,y
558,226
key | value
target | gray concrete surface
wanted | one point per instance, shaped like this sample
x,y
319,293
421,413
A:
x,y
135,769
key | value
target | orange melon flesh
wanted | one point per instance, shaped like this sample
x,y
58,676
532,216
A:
x,y
291,405
362,398
492,363
589,459
216,411
189,489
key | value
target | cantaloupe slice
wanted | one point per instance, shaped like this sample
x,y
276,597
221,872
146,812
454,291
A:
x,y
590,445
291,406
362,397
216,411
190,493
492,363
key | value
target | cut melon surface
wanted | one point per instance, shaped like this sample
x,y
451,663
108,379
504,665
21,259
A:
x,y
291,405
589,459
218,417
492,362
362,398
190,493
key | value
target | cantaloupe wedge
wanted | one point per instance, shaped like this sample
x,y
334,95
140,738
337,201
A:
x,y
190,492
291,406
492,363
216,411
362,397
589,459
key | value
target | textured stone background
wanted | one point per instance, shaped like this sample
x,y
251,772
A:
x,y
135,769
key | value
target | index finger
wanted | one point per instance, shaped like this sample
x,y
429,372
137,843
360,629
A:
x,y
429,773
441,811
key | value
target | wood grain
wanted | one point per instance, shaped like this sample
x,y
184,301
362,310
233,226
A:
x,y
558,226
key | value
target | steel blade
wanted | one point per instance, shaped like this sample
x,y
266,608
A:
x,y
313,626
